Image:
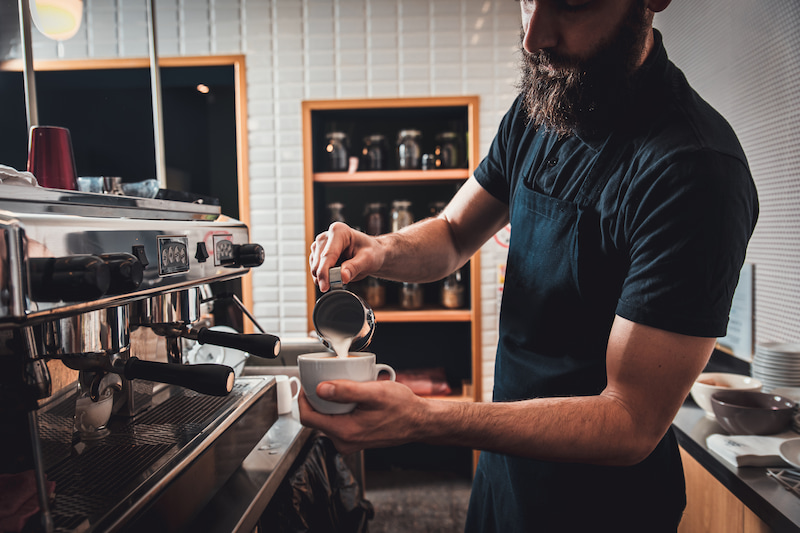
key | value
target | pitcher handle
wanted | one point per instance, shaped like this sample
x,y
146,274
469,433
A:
x,y
335,278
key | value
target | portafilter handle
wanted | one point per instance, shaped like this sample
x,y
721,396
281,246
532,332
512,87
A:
x,y
207,378
259,344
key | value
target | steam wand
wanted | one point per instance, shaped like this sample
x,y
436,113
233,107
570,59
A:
x,y
247,313
239,304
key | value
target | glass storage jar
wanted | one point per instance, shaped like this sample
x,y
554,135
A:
x,y
375,218
434,208
409,151
335,212
375,292
453,293
336,151
401,214
411,296
373,154
446,151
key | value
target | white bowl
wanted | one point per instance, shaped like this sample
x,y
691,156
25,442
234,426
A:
x,y
708,383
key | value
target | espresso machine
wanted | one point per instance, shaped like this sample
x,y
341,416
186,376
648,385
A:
x,y
104,426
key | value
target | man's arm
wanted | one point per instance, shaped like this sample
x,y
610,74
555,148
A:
x,y
650,372
426,251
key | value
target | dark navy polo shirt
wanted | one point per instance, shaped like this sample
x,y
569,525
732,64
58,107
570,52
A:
x,y
673,207
677,212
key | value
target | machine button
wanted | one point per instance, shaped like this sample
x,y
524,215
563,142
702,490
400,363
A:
x,y
202,252
138,251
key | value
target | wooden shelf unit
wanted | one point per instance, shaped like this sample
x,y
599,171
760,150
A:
x,y
317,180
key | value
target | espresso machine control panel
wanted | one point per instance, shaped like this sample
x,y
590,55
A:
x,y
69,254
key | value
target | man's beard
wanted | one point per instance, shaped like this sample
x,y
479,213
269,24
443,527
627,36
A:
x,y
564,93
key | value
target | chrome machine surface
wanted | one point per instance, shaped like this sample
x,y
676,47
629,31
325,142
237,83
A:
x,y
99,410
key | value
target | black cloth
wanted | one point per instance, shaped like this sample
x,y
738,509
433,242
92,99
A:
x,y
648,220
320,494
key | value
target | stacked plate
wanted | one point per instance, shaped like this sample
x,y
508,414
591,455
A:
x,y
777,365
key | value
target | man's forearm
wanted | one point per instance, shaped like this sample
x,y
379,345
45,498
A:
x,y
585,429
419,253
435,247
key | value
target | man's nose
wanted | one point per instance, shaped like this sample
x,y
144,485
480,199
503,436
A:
x,y
539,25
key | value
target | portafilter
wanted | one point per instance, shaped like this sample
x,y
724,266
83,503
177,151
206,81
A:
x,y
99,341
171,315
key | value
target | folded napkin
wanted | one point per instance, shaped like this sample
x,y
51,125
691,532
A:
x,y
11,176
749,450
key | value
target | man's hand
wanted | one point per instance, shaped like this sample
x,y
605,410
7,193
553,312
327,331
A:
x,y
387,414
341,242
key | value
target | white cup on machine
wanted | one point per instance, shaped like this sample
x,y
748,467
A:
x,y
286,397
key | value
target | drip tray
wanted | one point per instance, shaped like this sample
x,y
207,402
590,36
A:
x,y
156,471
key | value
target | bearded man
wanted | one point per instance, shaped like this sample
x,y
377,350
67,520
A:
x,y
631,205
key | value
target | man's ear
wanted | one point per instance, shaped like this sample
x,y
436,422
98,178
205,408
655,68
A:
x,y
657,5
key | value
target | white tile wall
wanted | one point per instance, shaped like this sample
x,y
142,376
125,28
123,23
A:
x,y
741,56
312,49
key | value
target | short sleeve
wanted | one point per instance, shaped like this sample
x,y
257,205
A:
x,y
686,229
494,171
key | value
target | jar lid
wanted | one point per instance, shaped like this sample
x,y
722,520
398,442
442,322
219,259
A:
x,y
375,137
401,203
409,133
336,135
446,135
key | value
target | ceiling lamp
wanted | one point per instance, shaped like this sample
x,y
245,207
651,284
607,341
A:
x,y
57,19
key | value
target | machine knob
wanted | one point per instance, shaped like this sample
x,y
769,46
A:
x,y
126,272
248,255
76,278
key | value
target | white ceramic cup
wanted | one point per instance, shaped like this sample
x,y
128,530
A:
x,y
325,366
283,386
91,417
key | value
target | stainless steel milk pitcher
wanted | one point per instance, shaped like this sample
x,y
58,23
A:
x,y
340,314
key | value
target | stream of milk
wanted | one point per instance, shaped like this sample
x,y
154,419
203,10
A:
x,y
339,342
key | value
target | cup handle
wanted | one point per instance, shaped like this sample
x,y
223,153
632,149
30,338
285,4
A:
x,y
293,379
380,367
